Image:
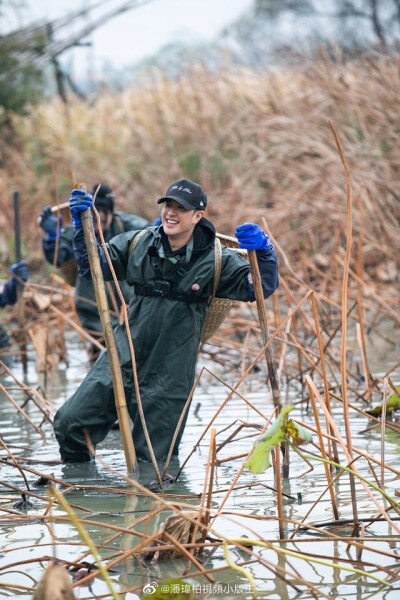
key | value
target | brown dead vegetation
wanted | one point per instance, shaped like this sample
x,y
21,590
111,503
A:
x,y
259,143
265,152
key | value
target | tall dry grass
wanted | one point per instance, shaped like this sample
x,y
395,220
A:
x,y
260,144
263,148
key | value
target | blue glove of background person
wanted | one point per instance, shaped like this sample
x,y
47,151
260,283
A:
x,y
157,221
20,269
78,202
251,237
49,222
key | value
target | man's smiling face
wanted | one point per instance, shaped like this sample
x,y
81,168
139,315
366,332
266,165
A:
x,y
177,221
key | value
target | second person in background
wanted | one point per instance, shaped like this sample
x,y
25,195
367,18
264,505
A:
x,y
112,223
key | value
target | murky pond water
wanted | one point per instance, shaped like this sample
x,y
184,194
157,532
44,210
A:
x,y
250,509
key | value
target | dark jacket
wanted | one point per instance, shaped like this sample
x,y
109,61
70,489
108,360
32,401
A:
x,y
8,295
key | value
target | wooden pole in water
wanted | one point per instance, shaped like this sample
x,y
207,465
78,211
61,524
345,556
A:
x,y
112,350
276,394
20,302
262,317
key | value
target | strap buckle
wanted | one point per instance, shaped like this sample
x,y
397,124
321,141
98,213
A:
x,y
162,288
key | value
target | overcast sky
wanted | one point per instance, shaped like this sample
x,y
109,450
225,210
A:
x,y
143,30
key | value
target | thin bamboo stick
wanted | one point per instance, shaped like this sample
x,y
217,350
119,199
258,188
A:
x,y
263,319
124,313
383,431
112,350
324,454
344,318
324,373
58,207
23,413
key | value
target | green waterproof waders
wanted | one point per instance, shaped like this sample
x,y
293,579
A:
x,y
166,317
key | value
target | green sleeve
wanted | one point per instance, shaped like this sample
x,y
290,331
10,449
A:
x,y
233,281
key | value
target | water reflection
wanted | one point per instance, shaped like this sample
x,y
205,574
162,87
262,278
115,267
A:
x,y
250,510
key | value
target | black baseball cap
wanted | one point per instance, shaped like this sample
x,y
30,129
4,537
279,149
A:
x,y
188,194
104,198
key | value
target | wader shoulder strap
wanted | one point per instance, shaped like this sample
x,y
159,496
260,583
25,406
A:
x,y
218,264
135,241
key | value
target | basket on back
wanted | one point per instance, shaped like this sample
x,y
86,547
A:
x,y
218,308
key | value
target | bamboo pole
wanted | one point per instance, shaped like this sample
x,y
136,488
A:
x,y
276,394
112,350
262,316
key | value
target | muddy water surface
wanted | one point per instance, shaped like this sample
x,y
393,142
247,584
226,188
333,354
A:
x,y
253,498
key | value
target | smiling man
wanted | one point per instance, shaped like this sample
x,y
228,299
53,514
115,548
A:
x,y
172,270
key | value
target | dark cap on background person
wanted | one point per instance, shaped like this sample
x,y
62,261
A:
x,y
188,194
104,198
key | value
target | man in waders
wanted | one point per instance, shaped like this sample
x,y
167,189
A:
x,y
112,223
8,296
172,272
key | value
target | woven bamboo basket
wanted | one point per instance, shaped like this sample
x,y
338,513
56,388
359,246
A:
x,y
68,271
219,308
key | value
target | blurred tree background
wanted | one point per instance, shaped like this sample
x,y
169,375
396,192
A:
x,y
270,34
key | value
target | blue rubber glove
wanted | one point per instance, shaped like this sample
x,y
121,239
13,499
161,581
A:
x,y
20,269
49,223
157,221
78,202
251,237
